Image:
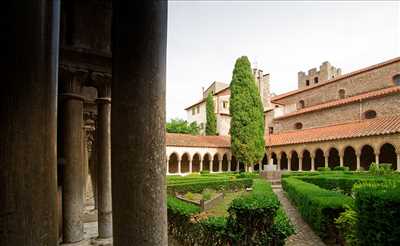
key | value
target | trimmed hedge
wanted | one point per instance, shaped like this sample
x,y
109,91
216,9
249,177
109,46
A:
x,y
199,186
378,211
318,206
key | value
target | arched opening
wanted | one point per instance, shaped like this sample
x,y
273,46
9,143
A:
x,y
284,161
367,156
396,79
242,167
173,163
274,159
196,163
301,104
342,93
298,126
294,161
388,155
206,162
233,163
350,158
256,167
225,163
215,163
333,159
370,114
319,160
306,164
185,163
265,160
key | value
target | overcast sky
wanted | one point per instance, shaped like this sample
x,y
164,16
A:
x,y
281,38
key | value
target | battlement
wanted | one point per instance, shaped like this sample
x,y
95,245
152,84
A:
x,y
326,71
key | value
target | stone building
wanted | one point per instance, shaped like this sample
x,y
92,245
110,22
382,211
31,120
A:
x,y
221,94
343,120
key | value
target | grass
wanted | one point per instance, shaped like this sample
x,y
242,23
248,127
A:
x,y
221,209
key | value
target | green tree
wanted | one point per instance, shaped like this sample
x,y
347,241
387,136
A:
x,y
182,126
246,109
211,120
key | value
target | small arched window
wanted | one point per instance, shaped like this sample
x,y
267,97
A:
x,y
342,93
298,126
396,79
301,104
316,80
307,82
370,114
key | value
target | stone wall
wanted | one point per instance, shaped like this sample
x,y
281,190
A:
x,y
326,71
384,106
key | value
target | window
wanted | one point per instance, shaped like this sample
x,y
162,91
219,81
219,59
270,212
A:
x,y
301,104
298,126
342,93
316,80
370,114
396,79
225,104
307,82
193,111
198,109
270,130
276,106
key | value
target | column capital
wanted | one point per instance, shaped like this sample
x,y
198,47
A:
x,y
72,80
102,81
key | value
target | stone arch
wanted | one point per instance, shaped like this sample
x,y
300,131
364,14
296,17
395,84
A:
x,y
350,158
274,158
333,158
215,163
196,162
387,154
233,163
173,163
265,160
185,162
225,163
207,162
319,160
284,161
367,156
294,160
306,164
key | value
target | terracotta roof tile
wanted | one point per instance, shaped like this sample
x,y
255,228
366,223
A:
x,y
344,76
372,127
186,140
363,96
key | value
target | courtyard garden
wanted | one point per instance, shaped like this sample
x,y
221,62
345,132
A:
x,y
348,208
246,211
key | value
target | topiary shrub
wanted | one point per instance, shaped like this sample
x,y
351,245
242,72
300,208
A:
x,y
341,168
205,172
322,169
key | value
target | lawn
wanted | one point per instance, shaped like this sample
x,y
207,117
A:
x,y
221,209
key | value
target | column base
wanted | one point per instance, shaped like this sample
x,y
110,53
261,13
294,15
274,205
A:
x,y
102,241
80,243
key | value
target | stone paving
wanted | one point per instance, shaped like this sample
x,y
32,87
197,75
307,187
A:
x,y
304,236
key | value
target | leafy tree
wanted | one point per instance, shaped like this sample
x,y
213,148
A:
x,y
211,120
182,126
246,109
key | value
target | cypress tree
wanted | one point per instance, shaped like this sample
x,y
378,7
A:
x,y
211,120
246,109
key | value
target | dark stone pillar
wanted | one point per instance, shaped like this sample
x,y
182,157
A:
x,y
138,123
28,123
104,160
72,153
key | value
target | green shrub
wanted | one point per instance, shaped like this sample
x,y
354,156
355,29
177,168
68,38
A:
x,y
214,231
339,168
318,206
204,172
346,224
199,186
282,228
335,183
323,169
378,208
189,196
380,169
207,194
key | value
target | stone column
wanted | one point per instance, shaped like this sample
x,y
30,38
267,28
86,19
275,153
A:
x,y
326,160
28,123
398,161
289,163
179,166
312,163
220,166
358,161
168,173
237,166
229,165
278,164
341,160
138,122
104,159
201,164
377,158
72,153
300,163
190,165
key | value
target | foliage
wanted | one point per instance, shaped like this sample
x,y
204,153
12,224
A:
x,y
380,169
339,168
346,224
204,172
207,194
189,195
318,206
247,117
378,207
211,119
323,169
282,228
199,186
182,126
214,231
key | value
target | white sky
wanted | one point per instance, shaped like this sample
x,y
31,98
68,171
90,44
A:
x,y
282,38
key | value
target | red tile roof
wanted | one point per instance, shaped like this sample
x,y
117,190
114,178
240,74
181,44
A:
x,y
372,127
336,103
364,128
344,76
186,140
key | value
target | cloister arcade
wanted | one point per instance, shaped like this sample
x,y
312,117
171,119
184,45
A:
x,y
356,153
